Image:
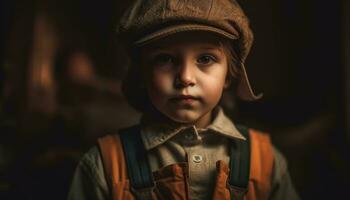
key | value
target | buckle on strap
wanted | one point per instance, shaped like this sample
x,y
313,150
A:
x,y
143,193
237,193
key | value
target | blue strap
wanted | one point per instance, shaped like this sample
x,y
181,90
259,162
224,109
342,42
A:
x,y
139,171
240,163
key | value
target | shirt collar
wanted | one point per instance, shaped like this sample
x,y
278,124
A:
x,y
154,133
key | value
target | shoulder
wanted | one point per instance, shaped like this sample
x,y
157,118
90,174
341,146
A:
x,y
89,180
91,165
259,136
262,156
262,145
280,167
261,148
273,167
282,186
92,156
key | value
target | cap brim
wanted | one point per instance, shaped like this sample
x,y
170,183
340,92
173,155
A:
x,y
244,90
181,28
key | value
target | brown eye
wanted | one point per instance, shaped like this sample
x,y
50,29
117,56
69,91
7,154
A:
x,y
206,59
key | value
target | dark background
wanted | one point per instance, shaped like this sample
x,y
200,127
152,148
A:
x,y
60,71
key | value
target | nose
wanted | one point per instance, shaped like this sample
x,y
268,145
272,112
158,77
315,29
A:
x,y
185,76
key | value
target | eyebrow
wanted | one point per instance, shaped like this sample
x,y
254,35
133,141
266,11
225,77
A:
x,y
209,48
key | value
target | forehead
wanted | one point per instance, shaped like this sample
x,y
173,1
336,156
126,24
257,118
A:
x,y
193,38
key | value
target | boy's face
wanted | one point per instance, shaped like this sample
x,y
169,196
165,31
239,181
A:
x,y
185,76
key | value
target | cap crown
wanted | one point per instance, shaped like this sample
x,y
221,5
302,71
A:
x,y
225,17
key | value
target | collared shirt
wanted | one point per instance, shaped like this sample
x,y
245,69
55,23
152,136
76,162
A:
x,y
201,148
168,144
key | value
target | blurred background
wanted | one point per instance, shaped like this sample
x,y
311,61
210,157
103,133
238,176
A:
x,y
60,74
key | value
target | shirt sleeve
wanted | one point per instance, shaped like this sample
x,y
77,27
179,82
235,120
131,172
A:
x,y
282,186
89,182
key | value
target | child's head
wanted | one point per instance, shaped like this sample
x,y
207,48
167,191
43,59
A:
x,y
183,54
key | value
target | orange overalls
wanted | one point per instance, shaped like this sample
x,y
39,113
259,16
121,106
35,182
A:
x,y
171,181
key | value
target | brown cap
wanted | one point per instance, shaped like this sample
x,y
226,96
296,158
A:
x,y
149,20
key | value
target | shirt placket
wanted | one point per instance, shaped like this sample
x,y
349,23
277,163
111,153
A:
x,y
196,158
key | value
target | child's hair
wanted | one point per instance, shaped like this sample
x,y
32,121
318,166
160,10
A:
x,y
133,86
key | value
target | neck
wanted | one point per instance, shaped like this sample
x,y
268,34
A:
x,y
202,122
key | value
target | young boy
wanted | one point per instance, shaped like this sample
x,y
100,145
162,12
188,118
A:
x,y
183,55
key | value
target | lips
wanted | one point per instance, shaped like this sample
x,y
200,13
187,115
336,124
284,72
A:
x,y
184,98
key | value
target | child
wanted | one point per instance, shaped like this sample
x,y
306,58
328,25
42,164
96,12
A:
x,y
183,55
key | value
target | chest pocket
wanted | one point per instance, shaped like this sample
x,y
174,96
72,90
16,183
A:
x,y
130,177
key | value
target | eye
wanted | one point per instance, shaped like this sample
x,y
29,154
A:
x,y
206,59
163,59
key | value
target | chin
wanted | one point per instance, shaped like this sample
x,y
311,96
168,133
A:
x,y
184,117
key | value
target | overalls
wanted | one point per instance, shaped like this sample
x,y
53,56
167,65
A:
x,y
129,176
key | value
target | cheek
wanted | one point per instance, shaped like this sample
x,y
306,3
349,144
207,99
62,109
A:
x,y
215,89
214,86
159,84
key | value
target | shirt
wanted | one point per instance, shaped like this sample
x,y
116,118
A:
x,y
170,143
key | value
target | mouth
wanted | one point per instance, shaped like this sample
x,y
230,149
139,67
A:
x,y
185,98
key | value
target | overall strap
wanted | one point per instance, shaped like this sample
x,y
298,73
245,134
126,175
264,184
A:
x,y
139,171
239,165
114,166
261,165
